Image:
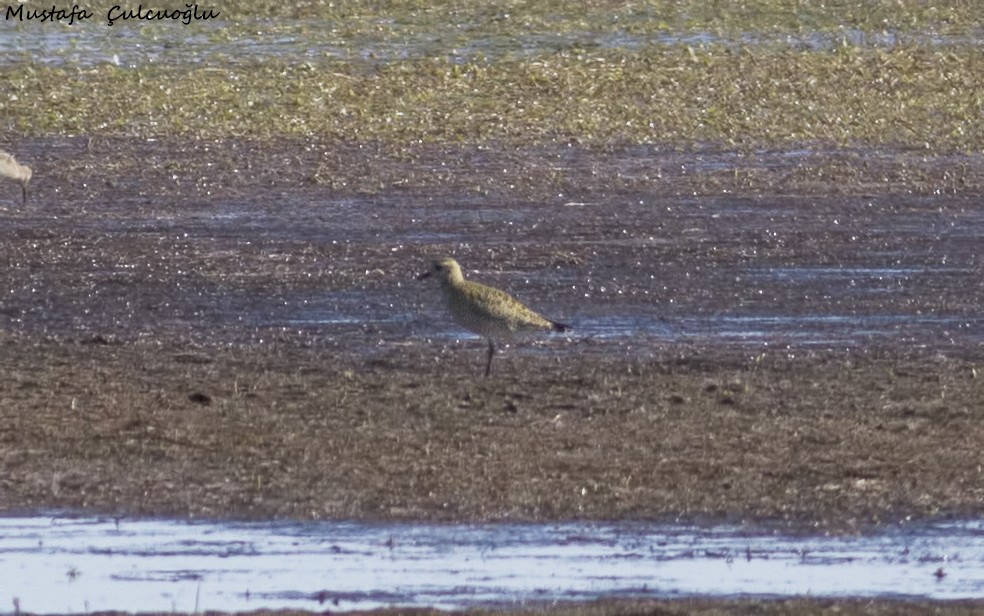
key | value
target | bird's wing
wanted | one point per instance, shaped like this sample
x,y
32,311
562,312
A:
x,y
500,304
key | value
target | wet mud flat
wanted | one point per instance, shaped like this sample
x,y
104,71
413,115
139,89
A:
x,y
233,330
823,444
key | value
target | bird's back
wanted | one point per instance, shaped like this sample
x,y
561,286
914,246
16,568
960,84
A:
x,y
491,312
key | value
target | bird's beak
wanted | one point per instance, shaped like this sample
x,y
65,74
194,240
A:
x,y
424,275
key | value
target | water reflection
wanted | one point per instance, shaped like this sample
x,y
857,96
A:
x,y
66,564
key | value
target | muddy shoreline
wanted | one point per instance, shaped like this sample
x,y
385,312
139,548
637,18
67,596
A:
x,y
230,344
200,330
153,429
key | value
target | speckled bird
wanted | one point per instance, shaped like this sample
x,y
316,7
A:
x,y
485,310
13,170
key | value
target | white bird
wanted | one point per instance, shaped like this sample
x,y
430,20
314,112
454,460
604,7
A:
x,y
13,170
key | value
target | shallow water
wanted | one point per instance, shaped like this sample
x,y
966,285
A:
x,y
915,282
68,564
133,44
627,268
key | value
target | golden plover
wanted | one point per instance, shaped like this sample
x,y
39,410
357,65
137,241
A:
x,y
485,310
13,170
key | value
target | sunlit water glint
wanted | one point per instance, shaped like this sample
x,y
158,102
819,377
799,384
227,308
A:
x,y
64,564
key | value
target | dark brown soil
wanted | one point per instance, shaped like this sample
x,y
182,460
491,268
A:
x,y
155,359
148,428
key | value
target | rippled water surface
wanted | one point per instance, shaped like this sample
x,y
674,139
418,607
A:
x,y
69,564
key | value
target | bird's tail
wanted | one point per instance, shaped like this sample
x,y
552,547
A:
x,y
560,327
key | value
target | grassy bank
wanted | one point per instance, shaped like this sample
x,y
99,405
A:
x,y
665,72
518,16
910,96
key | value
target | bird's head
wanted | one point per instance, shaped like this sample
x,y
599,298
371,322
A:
x,y
445,270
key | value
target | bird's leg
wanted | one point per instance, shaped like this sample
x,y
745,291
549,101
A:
x,y
488,366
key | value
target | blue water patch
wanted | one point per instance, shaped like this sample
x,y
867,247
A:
x,y
52,564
